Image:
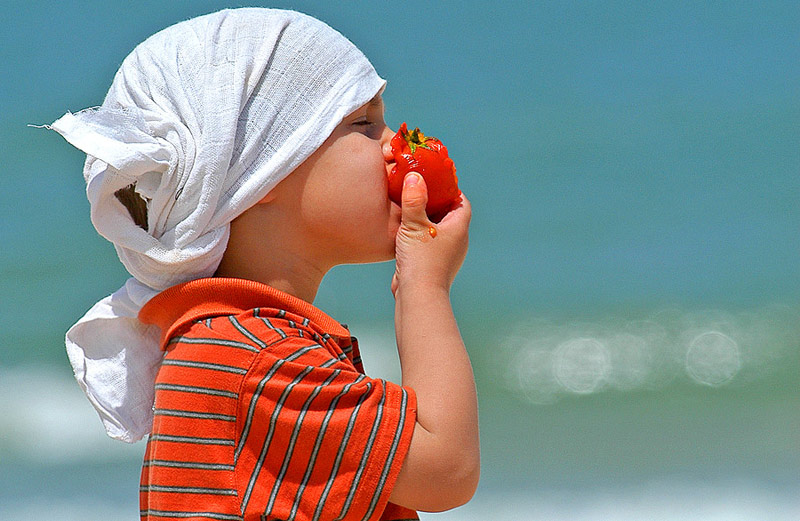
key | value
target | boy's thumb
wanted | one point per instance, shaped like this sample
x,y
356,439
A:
x,y
414,199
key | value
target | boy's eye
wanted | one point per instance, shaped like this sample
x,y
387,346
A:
x,y
362,122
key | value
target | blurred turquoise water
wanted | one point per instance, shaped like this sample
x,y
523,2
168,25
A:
x,y
631,294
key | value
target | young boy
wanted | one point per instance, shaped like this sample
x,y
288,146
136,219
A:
x,y
261,407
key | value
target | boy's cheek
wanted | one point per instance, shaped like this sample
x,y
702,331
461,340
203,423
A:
x,y
395,215
389,166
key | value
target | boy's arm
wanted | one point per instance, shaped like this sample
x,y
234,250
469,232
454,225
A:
x,y
442,466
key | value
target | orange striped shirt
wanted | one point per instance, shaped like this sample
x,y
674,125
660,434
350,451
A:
x,y
263,413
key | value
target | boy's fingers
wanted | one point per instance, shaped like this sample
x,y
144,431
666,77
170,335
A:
x,y
414,199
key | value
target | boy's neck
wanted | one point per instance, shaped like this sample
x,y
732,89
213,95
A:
x,y
305,292
288,273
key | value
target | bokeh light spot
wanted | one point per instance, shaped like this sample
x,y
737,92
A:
x,y
712,358
630,359
581,365
535,377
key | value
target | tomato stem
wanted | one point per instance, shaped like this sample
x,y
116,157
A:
x,y
416,138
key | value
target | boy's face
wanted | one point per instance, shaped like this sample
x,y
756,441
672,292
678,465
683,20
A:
x,y
345,214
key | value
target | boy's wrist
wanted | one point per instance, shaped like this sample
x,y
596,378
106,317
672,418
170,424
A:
x,y
422,289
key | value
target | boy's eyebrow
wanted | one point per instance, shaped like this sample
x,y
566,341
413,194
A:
x,y
377,100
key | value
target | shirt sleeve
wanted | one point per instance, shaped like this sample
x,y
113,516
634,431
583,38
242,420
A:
x,y
316,439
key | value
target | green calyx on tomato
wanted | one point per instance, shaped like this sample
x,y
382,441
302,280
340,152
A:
x,y
415,139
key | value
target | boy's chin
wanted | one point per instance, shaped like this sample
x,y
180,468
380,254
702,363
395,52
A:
x,y
389,253
385,255
370,257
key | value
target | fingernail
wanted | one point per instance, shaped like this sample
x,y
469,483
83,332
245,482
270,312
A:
x,y
412,179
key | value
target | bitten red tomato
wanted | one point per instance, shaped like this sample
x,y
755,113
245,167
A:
x,y
415,152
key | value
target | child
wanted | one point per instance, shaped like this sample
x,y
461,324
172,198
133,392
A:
x,y
237,158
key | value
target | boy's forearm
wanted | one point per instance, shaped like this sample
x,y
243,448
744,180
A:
x,y
442,466
435,364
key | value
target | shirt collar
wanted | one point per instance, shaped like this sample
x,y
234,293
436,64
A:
x,y
202,298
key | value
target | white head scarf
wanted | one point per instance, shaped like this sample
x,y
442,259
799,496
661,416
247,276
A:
x,y
206,117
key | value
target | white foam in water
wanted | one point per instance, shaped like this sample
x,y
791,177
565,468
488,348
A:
x,y
46,421
66,510
45,417
667,500
543,360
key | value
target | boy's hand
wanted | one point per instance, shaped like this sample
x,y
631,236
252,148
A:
x,y
428,255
